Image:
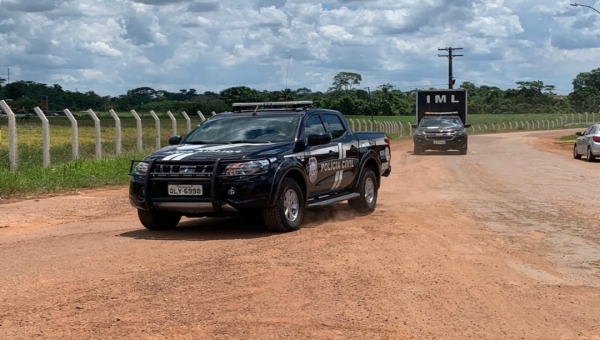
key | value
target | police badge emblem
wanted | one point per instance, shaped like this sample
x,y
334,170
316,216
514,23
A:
x,y
312,169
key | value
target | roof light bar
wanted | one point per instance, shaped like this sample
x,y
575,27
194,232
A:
x,y
265,104
428,113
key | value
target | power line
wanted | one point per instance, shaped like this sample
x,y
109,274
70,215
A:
x,y
450,56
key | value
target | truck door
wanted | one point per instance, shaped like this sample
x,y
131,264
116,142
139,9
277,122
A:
x,y
316,159
345,166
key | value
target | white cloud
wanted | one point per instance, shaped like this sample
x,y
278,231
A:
x,y
115,45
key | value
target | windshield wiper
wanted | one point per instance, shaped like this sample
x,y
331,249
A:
x,y
197,142
245,141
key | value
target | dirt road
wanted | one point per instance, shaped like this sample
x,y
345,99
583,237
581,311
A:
x,y
503,243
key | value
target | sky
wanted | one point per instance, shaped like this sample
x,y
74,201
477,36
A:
x,y
111,46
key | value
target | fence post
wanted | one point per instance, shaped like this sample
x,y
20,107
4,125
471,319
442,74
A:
x,y
157,125
97,133
45,136
117,132
138,130
74,134
12,136
188,122
202,119
173,123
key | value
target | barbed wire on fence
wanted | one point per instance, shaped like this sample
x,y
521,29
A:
x,y
393,128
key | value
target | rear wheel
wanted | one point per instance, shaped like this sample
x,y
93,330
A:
x,y
576,154
590,156
367,188
288,212
158,220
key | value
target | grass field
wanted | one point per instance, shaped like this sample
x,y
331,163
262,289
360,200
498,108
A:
x,y
492,118
63,174
568,138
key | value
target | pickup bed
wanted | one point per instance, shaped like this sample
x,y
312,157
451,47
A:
x,y
276,159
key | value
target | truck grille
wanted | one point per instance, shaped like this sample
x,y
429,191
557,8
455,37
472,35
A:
x,y
443,137
182,171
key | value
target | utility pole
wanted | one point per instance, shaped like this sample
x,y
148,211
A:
x,y
450,56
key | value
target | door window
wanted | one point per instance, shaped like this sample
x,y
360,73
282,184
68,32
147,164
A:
x,y
335,126
314,125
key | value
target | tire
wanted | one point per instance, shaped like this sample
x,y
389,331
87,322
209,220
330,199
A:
x,y
367,188
158,220
575,154
590,157
289,210
417,151
463,150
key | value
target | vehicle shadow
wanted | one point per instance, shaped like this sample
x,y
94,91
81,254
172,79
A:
x,y
236,228
205,229
436,153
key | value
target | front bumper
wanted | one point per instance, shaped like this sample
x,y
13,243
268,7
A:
x,y
220,194
446,142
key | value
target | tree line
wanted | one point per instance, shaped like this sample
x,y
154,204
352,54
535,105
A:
x,y
345,94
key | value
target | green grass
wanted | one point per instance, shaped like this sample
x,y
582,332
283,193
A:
x,y
66,176
29,138
476,119
568,138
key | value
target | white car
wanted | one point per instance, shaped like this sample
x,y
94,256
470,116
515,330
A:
x,y
588,143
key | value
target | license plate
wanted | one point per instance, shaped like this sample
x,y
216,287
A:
x,y
439,142
185,190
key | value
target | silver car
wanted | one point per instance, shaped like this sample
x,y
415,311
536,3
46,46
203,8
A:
x,y
588,143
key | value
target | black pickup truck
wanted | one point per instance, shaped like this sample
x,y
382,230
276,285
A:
x,y
276,159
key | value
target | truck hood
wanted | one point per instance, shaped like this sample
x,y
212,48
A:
x,y
204,152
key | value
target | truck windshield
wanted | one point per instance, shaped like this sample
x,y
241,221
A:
x,y
248,129
441,122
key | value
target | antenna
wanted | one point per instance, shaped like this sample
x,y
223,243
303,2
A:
x,y
256,109
287,70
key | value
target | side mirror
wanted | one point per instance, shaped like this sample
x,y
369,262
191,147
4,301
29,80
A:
x,y
414,126
319,139
467,126
578,134
175,140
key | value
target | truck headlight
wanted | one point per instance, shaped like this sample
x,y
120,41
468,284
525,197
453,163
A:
x,y
247,168
141,169
419,133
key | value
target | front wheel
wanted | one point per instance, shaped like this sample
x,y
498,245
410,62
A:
x,y
158,220
576,154
367,188
417,151
288,212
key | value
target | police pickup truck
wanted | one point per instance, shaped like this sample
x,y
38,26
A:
x,y
276,159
